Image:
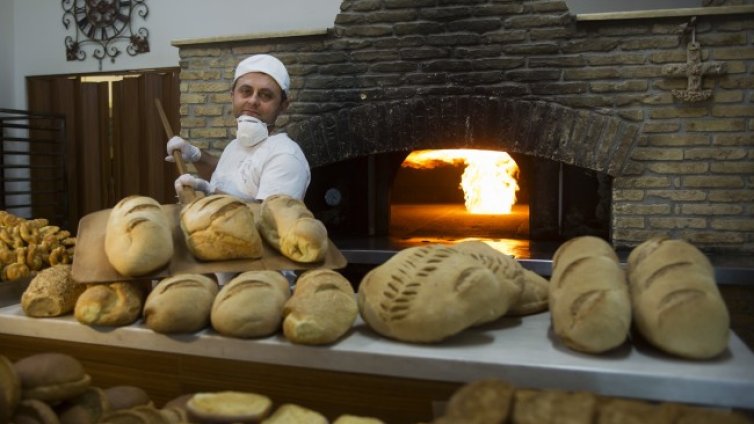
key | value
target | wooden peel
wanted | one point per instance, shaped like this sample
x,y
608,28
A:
x,y
187,194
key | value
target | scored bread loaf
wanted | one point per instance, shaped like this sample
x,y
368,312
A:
x,y
51,293
428,293
322,308
250,305
110,304
589,299
220,227
677,305
288,226
180,304
138,238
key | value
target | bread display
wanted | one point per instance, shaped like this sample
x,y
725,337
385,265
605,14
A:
x,y
589,298
110,304
10,389
250,305
229,407
180,304
429,293
51,377
295,414
534,297
138,238
220,227
51,293
677,305
322,309
290,227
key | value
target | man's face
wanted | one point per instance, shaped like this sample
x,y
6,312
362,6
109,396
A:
x,y
258,95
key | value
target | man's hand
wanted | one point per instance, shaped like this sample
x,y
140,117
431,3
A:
x,y
188,180
189,152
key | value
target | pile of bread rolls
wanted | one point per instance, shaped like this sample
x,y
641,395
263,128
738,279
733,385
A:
x,y
54,388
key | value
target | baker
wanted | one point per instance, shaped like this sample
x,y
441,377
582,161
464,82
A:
x,y
259,162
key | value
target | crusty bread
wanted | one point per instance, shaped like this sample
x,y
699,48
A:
x,y
322,309
180,304
294,414
228,407
220,227
10,389
51,293
589,299
51,377
110,304
428,293
535,296
250,305
290,227
138,237
677,305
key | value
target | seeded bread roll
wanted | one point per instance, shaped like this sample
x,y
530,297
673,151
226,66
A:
x,y
138,238
10,389
677,305
51,377
322,309
110,304
288,226
180,304
220,227
589,300
250,305
229,407
51,293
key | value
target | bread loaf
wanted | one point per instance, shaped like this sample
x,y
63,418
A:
x,y
229,407
86,408
34,411
356,419
553,406
127,397
294,414
288,226
51,293
322,309
250,305
138,237
180,304
534,298
482,401
110,304
426,294
677,305
589,299
220,227
51,377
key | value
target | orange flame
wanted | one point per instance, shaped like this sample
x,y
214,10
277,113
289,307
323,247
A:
x,y
488,182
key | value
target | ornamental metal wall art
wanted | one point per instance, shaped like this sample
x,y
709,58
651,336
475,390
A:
x,y
101,24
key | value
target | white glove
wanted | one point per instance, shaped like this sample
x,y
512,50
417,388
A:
x,y
189,152
196,183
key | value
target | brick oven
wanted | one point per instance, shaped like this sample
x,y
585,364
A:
x,y
590,108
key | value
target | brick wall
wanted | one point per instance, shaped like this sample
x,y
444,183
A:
x,y
525,77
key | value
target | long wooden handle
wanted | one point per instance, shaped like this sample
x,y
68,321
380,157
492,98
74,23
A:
x,y
187,194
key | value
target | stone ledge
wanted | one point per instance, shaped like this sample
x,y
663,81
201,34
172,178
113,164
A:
x,y
665,13
250,37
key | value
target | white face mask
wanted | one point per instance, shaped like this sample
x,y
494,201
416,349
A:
x,y
251,131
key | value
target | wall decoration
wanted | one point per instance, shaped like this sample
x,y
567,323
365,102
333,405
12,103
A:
x,y
102,25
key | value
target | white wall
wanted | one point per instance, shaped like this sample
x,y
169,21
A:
x,y
32,34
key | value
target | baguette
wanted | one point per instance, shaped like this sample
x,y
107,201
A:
x,y
288,226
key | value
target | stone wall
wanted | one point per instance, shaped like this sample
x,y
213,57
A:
x,y
526,77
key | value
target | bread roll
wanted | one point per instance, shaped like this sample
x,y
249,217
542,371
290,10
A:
x,y
220,227
110,304
127,397
553,406
482,401
677,305
288,226
535,296
322,309
51,293
294,414
34,411
180,304
51,377
229,407
138,237
251,304
589,299
86,408
10,389
355,419
426,294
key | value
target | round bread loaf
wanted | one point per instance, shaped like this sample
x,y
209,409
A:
x,y
51,293
180,304
86,408
51,377
10,389
34,411
290,227
138,237
482,401
126,397
355,419
426,294
220,227
229,407
251,304
322,309
110,304
293,414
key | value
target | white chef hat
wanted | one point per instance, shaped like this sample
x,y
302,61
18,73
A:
x,y
265,64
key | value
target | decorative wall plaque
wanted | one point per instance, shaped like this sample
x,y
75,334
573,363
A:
x,y
693,70
102,24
